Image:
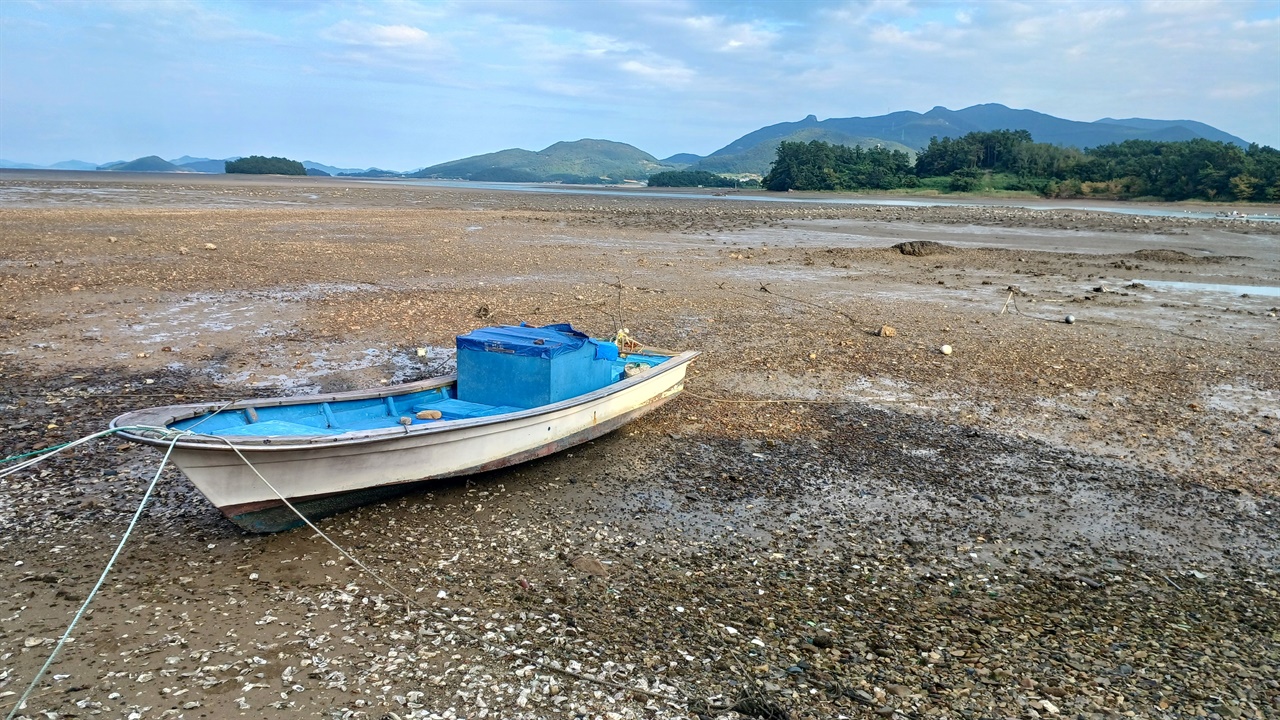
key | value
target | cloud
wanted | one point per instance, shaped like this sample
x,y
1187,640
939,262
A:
x,y
1206,8
383,36
499,72
1240,91
567,89
659,72
391,40
898,39
178,21
724,35
1271,24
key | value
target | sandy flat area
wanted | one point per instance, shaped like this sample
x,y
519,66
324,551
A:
x,y
1074,519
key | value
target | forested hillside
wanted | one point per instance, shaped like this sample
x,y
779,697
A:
x,y
1012,160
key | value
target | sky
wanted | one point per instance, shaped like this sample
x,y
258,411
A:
x,y
404,84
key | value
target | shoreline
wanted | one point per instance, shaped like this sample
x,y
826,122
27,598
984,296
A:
x,y
889,198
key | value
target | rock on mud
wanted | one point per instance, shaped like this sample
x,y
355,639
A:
x,y
921,248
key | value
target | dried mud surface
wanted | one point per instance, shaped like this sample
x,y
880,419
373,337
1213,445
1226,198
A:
x,y
833,521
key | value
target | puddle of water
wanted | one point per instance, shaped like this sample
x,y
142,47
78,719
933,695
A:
x,y
755,273
1243,400
1261,290
24,193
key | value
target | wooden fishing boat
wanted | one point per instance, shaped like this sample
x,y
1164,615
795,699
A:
x,y
520,393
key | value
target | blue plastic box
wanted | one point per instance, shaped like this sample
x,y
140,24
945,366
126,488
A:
x,y
526,367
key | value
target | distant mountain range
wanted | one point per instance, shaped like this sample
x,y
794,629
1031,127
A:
x,y
64,165
186,163
595,161
912,131
753,153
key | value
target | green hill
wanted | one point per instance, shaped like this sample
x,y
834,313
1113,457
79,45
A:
x,y
681,160
757,159
582,161
150,163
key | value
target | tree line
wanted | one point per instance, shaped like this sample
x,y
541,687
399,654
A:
x,y
1011,160
259,165
699,178
818,165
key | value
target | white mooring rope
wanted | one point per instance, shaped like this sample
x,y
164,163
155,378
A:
x,y
22,701
176,435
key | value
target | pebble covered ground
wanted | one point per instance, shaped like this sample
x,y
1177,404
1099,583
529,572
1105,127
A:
x,y
835,519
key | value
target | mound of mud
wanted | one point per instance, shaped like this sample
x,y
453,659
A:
x,y
921,248
1165,255
1177,256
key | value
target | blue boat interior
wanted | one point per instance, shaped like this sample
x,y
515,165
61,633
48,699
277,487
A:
x,y
343,416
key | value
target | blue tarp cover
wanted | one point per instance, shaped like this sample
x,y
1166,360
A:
x,y
545,342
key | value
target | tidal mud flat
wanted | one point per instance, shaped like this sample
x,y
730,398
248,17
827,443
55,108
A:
x,y
1053,520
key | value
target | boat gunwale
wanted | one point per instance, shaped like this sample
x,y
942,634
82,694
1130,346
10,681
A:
x,y
277,443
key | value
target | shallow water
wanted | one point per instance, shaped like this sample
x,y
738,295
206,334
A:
x,y
1175,285
834,200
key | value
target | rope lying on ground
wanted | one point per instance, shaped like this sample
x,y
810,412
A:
x,y
55,449
1018,311
765,289
801,401
22,701
174,437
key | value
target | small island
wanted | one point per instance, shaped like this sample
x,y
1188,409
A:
x,y
259,165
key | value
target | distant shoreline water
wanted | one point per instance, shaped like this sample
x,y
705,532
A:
x,y
758,196
1206,211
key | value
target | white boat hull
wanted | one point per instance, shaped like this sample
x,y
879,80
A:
x,y
321,475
